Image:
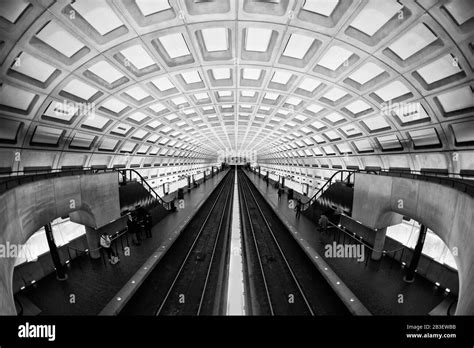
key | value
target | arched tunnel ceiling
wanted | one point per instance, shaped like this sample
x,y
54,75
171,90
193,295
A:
x,y
282,79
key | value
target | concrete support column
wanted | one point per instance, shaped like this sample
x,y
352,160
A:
x,y
53,249
93,242
410,274
379,243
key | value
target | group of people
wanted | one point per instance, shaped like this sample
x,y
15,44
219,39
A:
x,y
137,221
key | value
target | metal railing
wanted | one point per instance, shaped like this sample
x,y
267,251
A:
x,y
18,178
133,174
339,176
442,178
445,179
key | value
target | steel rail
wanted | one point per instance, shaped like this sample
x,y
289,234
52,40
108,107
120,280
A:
x,y
160,308
279,248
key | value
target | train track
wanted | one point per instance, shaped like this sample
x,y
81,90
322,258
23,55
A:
x,y
191,277
279,278
189,293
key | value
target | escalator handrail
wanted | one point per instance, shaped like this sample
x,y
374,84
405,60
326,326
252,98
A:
x,y
326,185
34,176
458,184
147,186
42,175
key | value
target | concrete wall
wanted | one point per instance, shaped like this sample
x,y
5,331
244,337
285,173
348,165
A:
x,y
381,201
91,200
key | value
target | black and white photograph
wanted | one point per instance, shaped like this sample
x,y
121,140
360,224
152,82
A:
x,y
237,172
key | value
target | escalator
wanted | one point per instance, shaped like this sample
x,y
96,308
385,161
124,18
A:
x,y
336,194
135,191
338,191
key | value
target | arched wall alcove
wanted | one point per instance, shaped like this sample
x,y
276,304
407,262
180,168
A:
x,y
381,201
91,200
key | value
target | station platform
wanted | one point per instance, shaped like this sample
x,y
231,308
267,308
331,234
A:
x,y
378,285
92,284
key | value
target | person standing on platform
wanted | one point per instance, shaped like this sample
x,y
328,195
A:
x,y
298,208
106,243
323,223
148,224
140,219
279,193
133,229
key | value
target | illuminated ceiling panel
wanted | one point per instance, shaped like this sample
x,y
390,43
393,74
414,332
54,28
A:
x,y
15,97
413,41
137,56
252,74
60,111
80,89
191,77
29,65
457,99
215,39
12,10
376,123
323,7
439,69
60,39
96,122
106,71
257,39
461,10
221,73
281,77
392,91
95,12
335,57
137,93
366,73
309,84
114,105
297,46
357,106
375,14
175,45
148,7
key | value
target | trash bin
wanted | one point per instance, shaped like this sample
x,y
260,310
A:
x,y
180,193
